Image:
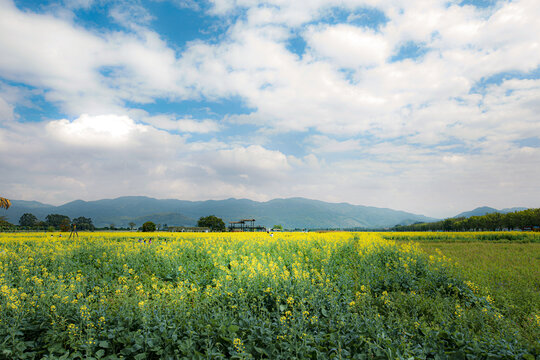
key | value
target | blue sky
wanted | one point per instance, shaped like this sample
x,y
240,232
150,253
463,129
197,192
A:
x,y
429,109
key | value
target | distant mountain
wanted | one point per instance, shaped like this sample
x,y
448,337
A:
x,y
488,210
291,213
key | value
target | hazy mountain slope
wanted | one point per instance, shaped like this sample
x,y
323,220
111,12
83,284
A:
x,y
291,213
19,207
170,219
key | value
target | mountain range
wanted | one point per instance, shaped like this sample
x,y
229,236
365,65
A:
x,y
291,213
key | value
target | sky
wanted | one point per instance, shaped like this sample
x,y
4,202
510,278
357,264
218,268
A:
x,y
426,106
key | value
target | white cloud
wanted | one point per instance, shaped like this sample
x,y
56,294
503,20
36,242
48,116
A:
x,y
412,134
84,71
253,164
167,122
130,15
102,130
349,46
6,110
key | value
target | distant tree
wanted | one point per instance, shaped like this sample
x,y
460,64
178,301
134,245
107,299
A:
x,y
148,226
131,225
28,220
280,227
447,225
524,219
41,225
212,222
55,220
112,226
84,223
4,225
65,225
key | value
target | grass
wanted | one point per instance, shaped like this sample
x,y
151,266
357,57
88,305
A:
x,y
510,272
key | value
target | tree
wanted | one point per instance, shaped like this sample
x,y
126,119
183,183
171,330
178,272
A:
x,y
4,225
131,225
28,220
212,222
277,227
84,223
4,203
55,220
65,225
148,226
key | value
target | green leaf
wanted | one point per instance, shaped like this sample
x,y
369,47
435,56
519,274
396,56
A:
x,y
100,353
233,328
282,307
104,344
261,351
140,356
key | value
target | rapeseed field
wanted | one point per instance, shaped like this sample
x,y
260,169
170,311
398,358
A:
x,y
243,296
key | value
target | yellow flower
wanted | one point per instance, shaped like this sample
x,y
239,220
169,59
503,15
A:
x,y
290,300
239,345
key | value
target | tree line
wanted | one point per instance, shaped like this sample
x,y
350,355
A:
x,y
60,222
55,222
519,220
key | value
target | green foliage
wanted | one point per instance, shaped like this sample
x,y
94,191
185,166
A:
x,y
28,220
230,298
6,226
65,225
84,223
148,227
525,219
57,220
212,222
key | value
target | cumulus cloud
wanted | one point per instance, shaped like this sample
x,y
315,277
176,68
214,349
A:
x,y
83,71
370,123
115,156
102,130
349,46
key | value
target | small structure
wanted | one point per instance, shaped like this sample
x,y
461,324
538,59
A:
x,y
188,229
245,225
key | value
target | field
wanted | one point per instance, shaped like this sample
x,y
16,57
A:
x,y
509,272
294,295
505,264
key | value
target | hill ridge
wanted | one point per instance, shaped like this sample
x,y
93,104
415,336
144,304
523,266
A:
x,y
297,212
